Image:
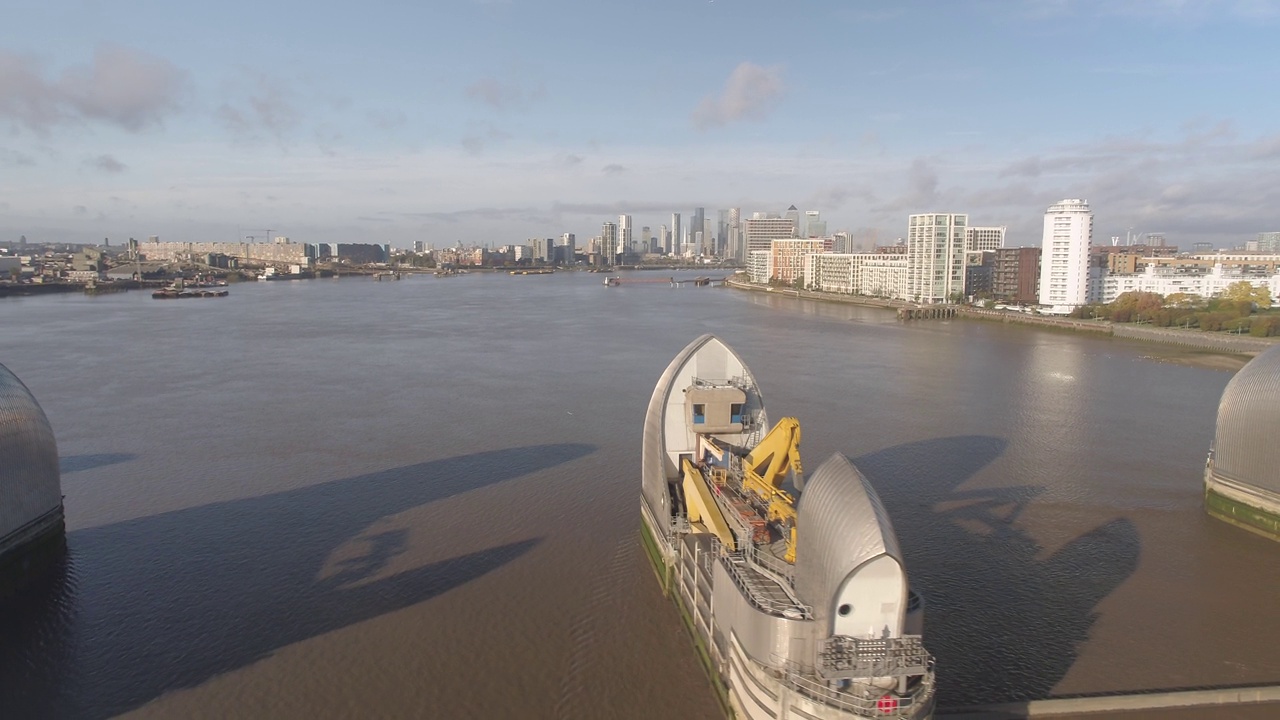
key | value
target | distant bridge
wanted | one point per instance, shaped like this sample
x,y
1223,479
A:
x,y
615,281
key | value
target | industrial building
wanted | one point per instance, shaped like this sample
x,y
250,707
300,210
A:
x,y
31,521
1242,475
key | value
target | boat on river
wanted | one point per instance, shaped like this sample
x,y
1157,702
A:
x,y
795,590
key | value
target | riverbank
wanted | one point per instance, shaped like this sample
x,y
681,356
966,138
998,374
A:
x,y
1217,351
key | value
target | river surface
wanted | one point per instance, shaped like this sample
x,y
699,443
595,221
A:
x,y
348,498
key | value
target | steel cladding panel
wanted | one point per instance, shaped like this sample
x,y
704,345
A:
x,y
29,475
767,639
1245,444
840,525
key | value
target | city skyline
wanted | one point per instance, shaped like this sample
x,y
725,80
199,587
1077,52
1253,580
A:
x,y
191,124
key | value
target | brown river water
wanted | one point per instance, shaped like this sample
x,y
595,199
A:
x,y
344,498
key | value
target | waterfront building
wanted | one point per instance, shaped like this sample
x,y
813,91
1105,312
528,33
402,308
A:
x,y
275,252
31,519
761,230
979,238
676,236
979,272
1015,276
759,266
935,257
788,258
875,274
1242,475
1167,280
1064,262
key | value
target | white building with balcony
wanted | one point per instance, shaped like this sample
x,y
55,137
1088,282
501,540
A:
x,y
1064,259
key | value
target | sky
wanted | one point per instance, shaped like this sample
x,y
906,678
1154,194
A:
x,y
493,121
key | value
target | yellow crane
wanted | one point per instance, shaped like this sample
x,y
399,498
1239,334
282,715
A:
x,y
765,468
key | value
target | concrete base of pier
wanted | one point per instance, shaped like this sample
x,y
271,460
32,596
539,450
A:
x,y
1244,506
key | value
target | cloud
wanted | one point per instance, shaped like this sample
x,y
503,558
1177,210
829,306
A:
x,y
615,208
106,163
481,137
502,96
569,160
267,107
1026,167
15,158
750,93
501,214
613,169
121,86
921,193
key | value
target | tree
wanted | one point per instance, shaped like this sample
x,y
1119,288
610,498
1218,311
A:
x,y
1179,299
1244,291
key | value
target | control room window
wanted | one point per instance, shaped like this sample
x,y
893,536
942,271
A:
x,y
699,413
735,413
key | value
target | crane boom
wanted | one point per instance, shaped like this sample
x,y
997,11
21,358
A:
x,y
765,468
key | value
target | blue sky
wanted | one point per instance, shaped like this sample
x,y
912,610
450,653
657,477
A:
x,y
490,121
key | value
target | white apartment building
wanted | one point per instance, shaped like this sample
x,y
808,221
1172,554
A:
x,y
624,234
876,274
758,232
979,239
935,256
1064,259
1169,280
789,255
759,266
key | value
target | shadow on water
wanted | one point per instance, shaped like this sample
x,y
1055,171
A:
x,y
76,463
169,601
1004,623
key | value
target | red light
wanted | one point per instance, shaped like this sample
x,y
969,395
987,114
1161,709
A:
x,y
887,704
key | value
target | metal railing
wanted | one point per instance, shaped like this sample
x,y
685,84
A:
x,y
842,658
861,698
737,565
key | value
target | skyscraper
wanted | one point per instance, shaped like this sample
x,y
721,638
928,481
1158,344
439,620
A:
x,y
698,224
735,248
624,235
814,225
608,243
676,235
1064,259
935,257
793,215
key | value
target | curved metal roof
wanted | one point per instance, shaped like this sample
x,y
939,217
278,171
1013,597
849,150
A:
x,y
1246,448
30,483
708,354
840,525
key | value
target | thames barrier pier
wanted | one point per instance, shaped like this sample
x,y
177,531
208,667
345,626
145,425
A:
x,y
1242,475
31,522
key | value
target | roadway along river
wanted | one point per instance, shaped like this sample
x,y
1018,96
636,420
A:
x,y
420,498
